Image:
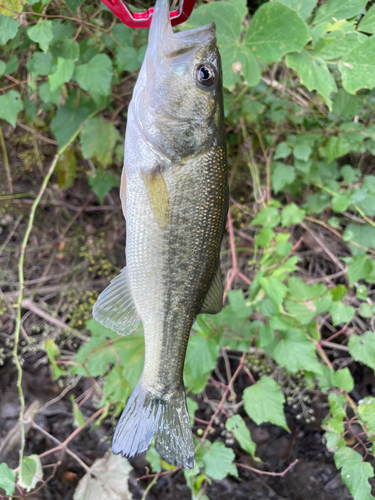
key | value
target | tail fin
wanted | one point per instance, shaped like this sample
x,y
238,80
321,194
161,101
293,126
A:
x,y
165,419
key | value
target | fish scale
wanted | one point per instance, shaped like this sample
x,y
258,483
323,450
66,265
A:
x,y
175,197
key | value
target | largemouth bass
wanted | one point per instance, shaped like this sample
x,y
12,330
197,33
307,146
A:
x,y
174,193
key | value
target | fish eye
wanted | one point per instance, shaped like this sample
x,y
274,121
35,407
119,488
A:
x,y
205,75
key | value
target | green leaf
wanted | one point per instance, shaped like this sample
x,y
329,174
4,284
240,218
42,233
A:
x,y
40,63
294,351
264,402
302,152
41,33
282,151
7,479
31,472
362,348
237,426
116,386
127,59
3,68
201,356
341,313
346,105
364,234
240,306
332,47
77,414
292,214
153,457
303,7
101,183
53,354
357,67
300,290
304,311
8,29
340,203
367,23
218,461
274,31
268,217
313,73
74,4
7,6
63,73
67,122
98,138
10,106
96,75
365,310
282,175
343,379
238,60
337,9
47,96
359,268
354,472
275,290
192,407
366,410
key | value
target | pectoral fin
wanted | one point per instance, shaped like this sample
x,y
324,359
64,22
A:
x,y
158,196
115,308
213,303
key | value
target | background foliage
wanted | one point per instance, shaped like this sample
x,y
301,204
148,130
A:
x,y
299,83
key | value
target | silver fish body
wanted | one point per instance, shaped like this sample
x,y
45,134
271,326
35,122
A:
x,y
174,195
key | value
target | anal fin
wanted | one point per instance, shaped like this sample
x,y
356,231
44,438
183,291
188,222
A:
x,y
115,308
213,303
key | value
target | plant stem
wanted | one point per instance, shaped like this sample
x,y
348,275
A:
x,y
19,301
6,161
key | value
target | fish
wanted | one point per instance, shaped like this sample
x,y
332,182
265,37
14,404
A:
x,y
174,193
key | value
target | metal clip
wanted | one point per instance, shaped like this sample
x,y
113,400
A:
x,y
143,19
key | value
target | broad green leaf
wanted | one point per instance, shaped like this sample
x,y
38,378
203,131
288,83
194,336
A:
x,y
74,4
98,138
366,410
333,440
237,60
337,9
240,307
340,203
359,268
303,7
264,237
237,426
294,351
274,31
341,313
41,33
127,59
354,472
96,75
362,348
268,217
47,96
116,387
63,73
313,73
302,152
300,290
53,354
40,63
357,67
304,311
201,356
218,461
317,202
77,414
108,479
337,410
282,176
292,214
192,407
365,310
68,121
367,23
343,379
101,183
364,234
8,29
282,151
67,49
264,402
275,290
12,65
7,7
332,47
346,105
7,479
10,106
31,472
153,457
